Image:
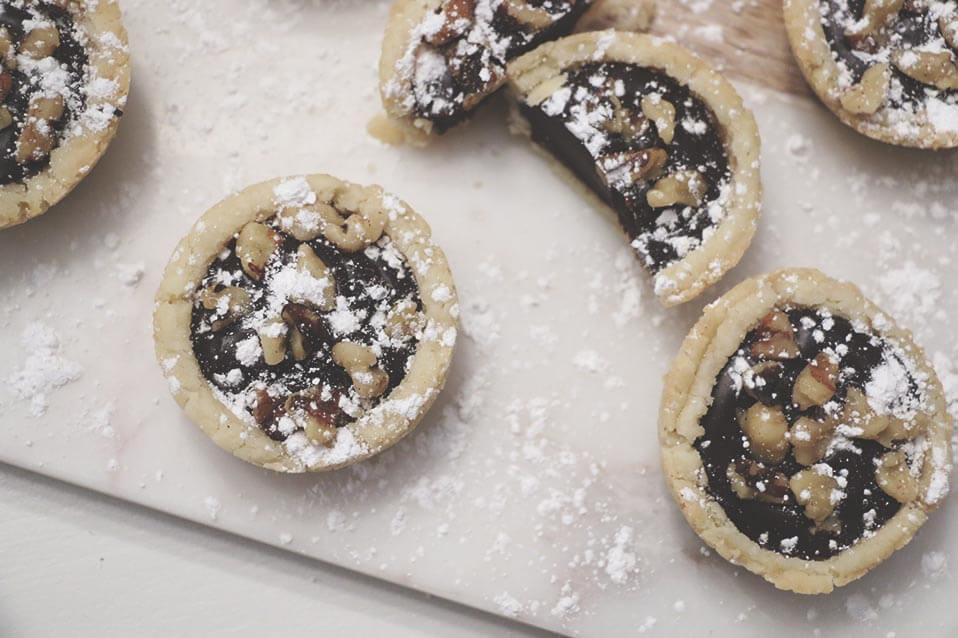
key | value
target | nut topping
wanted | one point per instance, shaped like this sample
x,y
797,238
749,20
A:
x,y
777,339
625,121
870,93
37,137
527,14
304,223
8,50
403,321
254,246
751,480
317,418
272,338
810,439
457,18
684,187
875,15
307,261
766,429
40,42
935,68
815,492
895,479
815,384
662,113
632,166
230,303
369,380
356,231
308,330
857,414
948,25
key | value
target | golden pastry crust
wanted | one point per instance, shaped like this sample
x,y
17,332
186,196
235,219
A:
x,y
687,397
803,24
82,147
376,429
687,278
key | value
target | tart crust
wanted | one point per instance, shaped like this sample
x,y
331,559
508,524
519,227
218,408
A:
x,y
803,23
71,161
687,396
687,278
377,429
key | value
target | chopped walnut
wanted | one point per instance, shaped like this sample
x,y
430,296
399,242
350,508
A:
x,y
895,479
751,480
776,338
304,223
625,121
948,25
761,382
404,320
317,418
810,439
272,338
662,113
928,67
684,187
632,166
305,326
815,384
457,18
231,302
884,428
766,429
40,42
875,16
528,14
37,137
814,491
870,93
369,380
307,261
355,231
254,246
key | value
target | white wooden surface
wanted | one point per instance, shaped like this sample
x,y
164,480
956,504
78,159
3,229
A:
x,y
533,489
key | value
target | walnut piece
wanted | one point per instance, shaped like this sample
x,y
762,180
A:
x,y
928,67
632,166
776,338
751,480
810,439
272,338
307,261
684,187
894,477
404,320
884,428
626,122
814,491
369,380
355,231
457,18
230,302
40,42
876,15
254,246
766,429
529,15
815,384
948,25
38,137
866,97
662,113
305,223
317,418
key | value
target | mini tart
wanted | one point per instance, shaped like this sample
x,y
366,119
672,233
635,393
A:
x,y
657,136
887,68
306,323
64,79
442,58
804,435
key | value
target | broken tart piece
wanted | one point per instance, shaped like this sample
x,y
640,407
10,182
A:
x,y
804,435
306,323
887,68
658,137
64,79
441,58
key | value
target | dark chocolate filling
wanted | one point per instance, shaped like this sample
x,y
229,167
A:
x,y
356,275
72,57
702,151
724,443
448,101
911,29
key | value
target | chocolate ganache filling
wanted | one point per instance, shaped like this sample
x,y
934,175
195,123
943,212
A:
x,y
859,42
814,376
621,128
466,44
36,64
368,285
